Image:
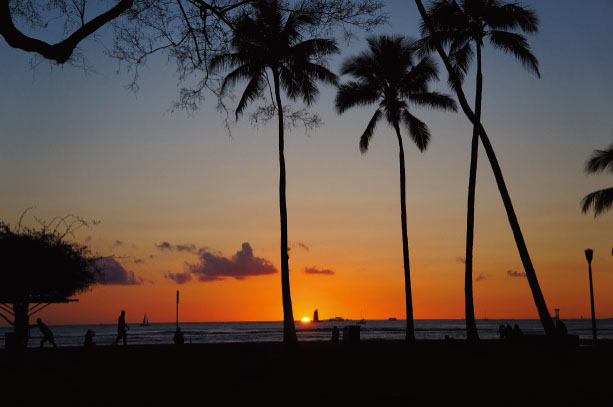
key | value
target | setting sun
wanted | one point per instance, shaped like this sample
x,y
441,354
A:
x,y
305,320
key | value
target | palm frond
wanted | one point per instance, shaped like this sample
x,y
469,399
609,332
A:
x,y
517,45
601,201
434,100
512,16
353,94
418,131
314,48
368,133
253,90
600,160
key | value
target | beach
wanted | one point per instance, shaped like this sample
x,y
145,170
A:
x,y
369,372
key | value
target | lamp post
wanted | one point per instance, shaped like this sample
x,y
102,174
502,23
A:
x,y
589,254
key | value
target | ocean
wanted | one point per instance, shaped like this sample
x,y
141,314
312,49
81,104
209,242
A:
x,y
219,332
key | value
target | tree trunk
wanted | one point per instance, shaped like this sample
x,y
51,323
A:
x,y
594,335
289,329
471,324
410,334
539,300
22,324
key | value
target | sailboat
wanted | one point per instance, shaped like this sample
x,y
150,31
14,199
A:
x,y
145,321
362,320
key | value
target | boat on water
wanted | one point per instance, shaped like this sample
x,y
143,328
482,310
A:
x,y
392,319
337,319
145,321
362,321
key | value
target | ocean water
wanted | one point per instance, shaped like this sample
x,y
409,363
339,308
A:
x,y
219,332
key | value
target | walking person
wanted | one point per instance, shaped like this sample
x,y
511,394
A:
x,y
121,329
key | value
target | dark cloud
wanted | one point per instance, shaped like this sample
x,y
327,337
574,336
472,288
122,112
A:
x,y
214,266
515,273
179,278
111,272
480,277
301,245
189,248
118,243
139,261
314,270
460,260
164,246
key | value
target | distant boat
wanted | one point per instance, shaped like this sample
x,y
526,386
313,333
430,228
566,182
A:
x,y
145,321
392,319
362,321
316,316
337,319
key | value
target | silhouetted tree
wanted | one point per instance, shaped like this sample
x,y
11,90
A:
x,y
462,26
456,83
39,267
601,200
192,32
273,42
388,74
36,15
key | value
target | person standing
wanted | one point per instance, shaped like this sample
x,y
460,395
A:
x,y
47,334
121,329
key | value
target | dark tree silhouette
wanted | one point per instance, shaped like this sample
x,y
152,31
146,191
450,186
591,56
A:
x,y
456,83
271,41
601,200
388,74
192,32
39,267
30,13
462,26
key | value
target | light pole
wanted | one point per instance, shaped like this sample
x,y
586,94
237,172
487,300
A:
x,y
589,254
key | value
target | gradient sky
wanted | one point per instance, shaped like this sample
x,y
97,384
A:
x,y
80,143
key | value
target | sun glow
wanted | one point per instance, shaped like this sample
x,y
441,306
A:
x,y
305,320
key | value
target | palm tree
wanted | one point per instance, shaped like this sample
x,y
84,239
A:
x,y
387,74
601,200
271,42
462,26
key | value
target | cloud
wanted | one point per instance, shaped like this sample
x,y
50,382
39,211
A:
x,y
480,277
460,260
515,273
214,266
118,243
189,248
314,270
301,246
164,246
139,261
111,272
179,278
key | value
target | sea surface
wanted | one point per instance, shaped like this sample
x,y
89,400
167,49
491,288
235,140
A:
x,y
219,332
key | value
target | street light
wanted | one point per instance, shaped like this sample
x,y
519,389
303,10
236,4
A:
x,y
589,254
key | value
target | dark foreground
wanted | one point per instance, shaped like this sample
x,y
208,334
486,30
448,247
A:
x,y
428,373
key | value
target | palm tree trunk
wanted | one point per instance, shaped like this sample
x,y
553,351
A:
x,y
410,334
289,329
471,324
22,324
539,300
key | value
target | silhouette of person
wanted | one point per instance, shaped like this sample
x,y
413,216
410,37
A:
x,y
517,332
502,331
121,329
179,339
89,339
47,334
345,333
561,329
509,332
335,334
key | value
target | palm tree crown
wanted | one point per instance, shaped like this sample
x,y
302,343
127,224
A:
x,y
459,23
387,73
269,41
601,200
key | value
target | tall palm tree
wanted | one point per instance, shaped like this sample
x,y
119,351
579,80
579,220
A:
x,y
601,200
388,74
462,26
271,42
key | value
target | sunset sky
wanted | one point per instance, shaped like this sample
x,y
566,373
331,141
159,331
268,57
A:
x,y
177,196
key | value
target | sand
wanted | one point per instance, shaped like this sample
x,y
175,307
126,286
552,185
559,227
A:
x,y
375,373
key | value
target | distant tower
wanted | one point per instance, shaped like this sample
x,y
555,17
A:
x,y
316,316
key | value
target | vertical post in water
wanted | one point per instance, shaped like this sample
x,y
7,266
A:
x,y
177,309
588,256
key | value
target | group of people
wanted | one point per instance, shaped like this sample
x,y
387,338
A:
x,y
510,332
122,333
